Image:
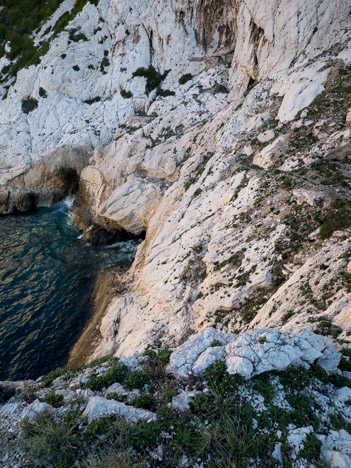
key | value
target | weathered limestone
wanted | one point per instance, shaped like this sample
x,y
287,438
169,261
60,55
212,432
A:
x,y
99,407
188,172
35,409
254,352
336,448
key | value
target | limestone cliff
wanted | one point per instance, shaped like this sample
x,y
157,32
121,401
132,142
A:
x,y
219,128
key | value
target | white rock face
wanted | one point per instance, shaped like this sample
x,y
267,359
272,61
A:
x,y
184,171
11,409
271,154
253,352
329,360
34,410
314,273
187,355
263,350
344,394
99,407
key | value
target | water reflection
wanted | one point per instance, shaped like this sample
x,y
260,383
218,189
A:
x,y
46,276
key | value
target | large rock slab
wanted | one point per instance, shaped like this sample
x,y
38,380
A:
x,y
253,352
336,449
183,359
99,407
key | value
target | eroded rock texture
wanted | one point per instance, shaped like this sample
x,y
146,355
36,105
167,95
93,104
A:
x,y
235,162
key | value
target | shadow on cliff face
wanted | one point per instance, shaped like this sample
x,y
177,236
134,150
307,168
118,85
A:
x,y
108,283
46,182
214,22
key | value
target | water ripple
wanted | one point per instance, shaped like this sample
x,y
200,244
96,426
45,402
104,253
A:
x,y
46,277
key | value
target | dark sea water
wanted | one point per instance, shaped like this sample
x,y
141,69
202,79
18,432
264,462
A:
x,y
46,278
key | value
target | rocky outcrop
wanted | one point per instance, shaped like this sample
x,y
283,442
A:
x,y
253,352
44,183
99,407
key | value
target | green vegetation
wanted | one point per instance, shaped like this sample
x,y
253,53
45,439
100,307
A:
x,y
76,36
136,380
312,448
158,358
42,93
216,343
48,441
20,19
126,94
345,364
93,100
220,381
337,422
264,386
54,400
68,372
104,64
146,401
185,78
29,104
221,427
117,373
165,92
326,328
152,76
337,218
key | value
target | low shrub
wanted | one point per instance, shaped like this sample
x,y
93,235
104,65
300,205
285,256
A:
x,y
93,100
145,401
219,380
98,427
29,104
126,94
338,422
312,448
345,364
185,78
263,385
165,92
42,93
152,76
50,442
136,380
54,400
338,218
116,374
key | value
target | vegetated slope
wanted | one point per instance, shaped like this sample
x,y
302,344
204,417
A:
x,y
187,408
19,23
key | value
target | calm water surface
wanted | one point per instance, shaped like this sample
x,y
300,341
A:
x,y
46,278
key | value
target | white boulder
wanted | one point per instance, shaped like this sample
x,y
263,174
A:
x,y
34,410
267,136
99,407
